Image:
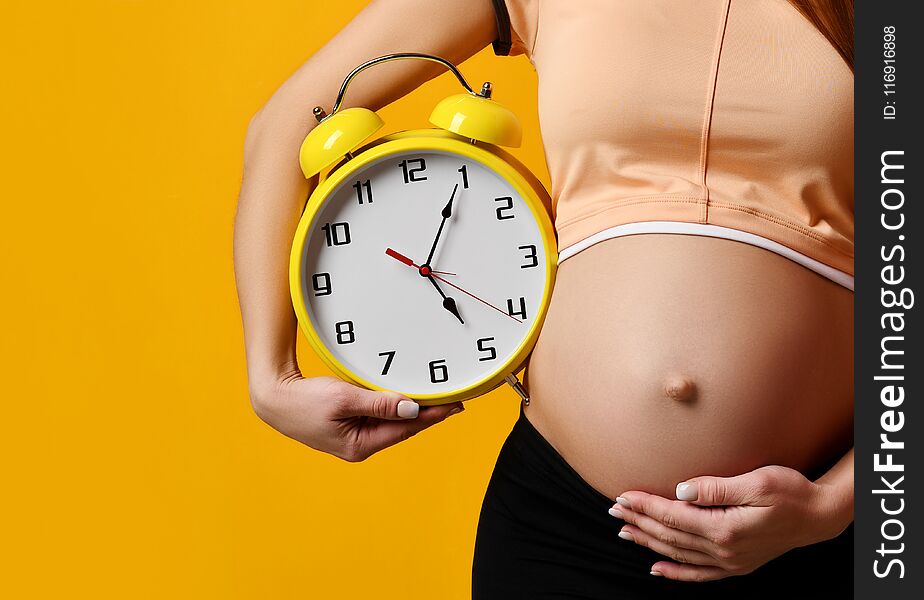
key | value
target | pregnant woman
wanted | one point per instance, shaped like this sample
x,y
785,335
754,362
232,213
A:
x,y
692,387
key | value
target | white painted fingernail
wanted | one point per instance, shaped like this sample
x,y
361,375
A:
x,y
626,535
687,491
657,573
615,512
623,501
408,409
455,411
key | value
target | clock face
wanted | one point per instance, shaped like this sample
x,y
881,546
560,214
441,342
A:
x,y
423,272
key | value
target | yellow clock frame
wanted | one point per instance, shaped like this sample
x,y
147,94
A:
x,y
494,158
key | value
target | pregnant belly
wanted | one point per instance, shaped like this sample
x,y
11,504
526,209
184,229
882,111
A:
x,y
664,357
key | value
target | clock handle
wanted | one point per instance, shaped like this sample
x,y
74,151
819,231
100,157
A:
x,y
518,388
397,56
470,114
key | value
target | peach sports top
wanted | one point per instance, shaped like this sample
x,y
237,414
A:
x,y
726,118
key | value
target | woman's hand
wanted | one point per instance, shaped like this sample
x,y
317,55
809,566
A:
x,y
342,419
722,526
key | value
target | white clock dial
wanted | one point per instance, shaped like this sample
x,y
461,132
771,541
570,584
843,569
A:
x,y
379,304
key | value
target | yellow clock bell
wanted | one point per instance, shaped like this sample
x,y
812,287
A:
x,y
424,260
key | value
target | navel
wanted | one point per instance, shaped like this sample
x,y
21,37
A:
x,y
680,388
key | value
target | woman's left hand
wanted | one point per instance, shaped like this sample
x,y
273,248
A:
x,y
723,526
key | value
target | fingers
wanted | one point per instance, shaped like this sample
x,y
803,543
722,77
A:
x,y
668,529
353,401
725,491
670,513
377,435
664,534
685,572
680,555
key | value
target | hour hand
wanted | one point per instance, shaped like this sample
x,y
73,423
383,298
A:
x,y
448,303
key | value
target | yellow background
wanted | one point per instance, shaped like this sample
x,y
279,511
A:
x,y
132,464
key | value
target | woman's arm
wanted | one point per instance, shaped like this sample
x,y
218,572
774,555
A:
x,y
721,526
323,412
837,485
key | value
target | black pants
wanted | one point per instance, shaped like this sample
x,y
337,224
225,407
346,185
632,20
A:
x,y
544,533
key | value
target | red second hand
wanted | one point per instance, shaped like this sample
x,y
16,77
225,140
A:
x,y
397,255
402,258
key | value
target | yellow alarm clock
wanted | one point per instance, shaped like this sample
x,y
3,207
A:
x,y
424,261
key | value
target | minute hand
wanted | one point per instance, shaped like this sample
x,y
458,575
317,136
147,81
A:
x,y
447,212
466,292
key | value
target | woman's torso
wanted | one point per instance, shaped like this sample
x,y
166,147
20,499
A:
x,y
732,113
664,357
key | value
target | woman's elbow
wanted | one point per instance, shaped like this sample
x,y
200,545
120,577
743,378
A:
x,y
254,132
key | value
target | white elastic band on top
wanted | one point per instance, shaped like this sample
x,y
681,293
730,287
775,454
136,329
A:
x,y
715,231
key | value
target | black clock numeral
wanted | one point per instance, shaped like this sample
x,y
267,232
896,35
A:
x,y
413,174
390,354
337,234
522,310
507,206
464,170
531,256
484,347
439,373
363,191
321,284
345,333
